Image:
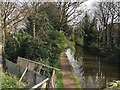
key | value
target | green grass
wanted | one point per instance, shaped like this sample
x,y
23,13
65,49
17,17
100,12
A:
x,y
9,81
59,76
59,80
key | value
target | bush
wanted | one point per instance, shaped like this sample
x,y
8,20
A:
x,y
114,84
10,81
45,47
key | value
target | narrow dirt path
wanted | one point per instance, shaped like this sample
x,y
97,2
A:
x,y
68,80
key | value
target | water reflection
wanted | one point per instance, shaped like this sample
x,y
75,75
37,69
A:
x,y
91,72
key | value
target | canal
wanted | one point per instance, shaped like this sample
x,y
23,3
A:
x,y
91,70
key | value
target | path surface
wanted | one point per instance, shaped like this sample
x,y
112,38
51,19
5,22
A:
x,y
68,80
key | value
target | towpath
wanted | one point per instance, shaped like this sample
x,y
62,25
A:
x,y
68,80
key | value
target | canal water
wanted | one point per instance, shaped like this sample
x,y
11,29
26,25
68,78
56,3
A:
x,y
91,71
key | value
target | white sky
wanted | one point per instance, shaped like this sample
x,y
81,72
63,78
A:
x,y
89,1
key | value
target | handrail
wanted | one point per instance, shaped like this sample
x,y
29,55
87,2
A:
x,y
40,63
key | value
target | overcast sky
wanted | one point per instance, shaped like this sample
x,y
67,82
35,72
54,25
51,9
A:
x,y
88,2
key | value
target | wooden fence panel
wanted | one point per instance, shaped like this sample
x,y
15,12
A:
x,y
22,63
31,66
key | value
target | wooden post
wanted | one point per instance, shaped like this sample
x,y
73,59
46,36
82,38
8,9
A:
x,y
34,78
53,80
43,87
33,28
23,74
39,84
40,69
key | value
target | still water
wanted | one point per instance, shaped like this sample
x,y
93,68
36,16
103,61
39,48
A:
x,y
91,71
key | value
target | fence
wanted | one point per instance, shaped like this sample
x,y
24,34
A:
x,y
26,68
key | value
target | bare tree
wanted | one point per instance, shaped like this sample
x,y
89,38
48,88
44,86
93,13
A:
x,y
69,11
107,14
13,13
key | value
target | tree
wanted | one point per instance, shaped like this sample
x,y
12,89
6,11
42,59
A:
x,y
69,16
87,34
62,14
1,43
107,14
42,25
12,13
53,13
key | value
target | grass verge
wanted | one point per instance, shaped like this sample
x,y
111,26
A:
x,y
9,81
59,81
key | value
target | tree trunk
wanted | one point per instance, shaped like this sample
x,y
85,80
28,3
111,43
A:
x,y
4,35
1,43
106,40
33,28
